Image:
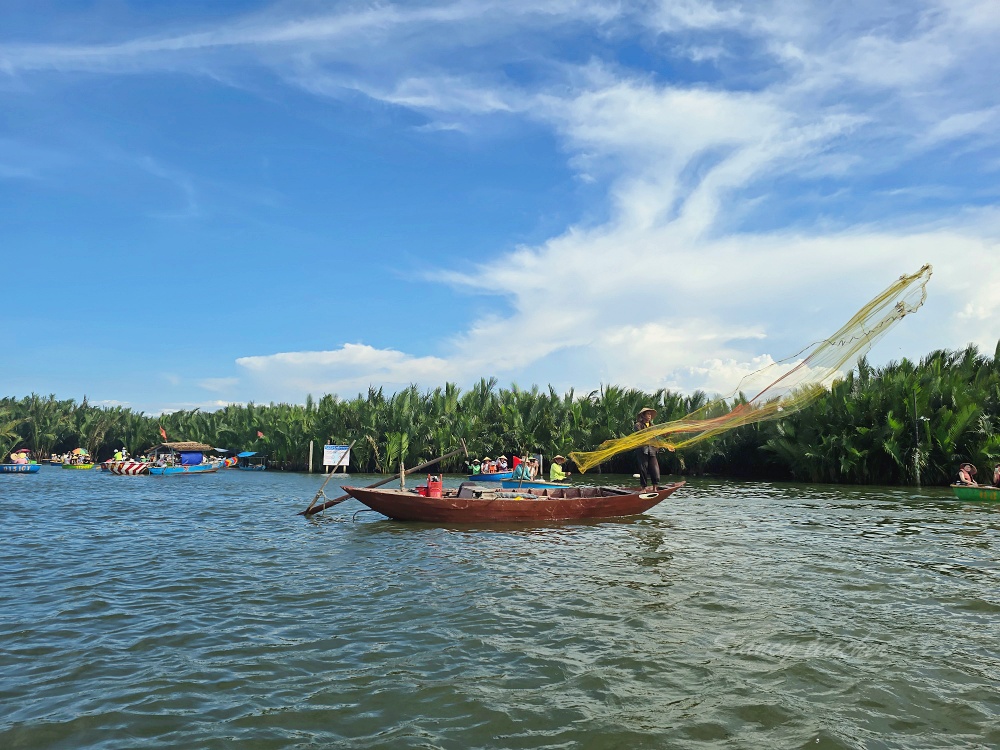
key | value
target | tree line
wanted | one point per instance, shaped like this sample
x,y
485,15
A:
x,y
879,425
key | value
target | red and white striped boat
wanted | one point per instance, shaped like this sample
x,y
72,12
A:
x,y
128,468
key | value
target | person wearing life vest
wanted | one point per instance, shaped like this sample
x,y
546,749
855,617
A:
x,y
649,466
966,475
556,473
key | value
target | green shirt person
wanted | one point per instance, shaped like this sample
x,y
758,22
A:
x,y
556,473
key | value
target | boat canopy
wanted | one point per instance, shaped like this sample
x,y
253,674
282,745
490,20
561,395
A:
x,y
246,454
187,446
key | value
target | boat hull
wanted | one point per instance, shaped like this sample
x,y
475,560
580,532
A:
x,y
499,476
167,471
563,504
979,494
128,468
78,467
19,468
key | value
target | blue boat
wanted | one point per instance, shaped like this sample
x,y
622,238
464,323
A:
x,y
250,461
202,468
19,468
499,476
184,458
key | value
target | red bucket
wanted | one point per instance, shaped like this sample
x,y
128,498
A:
x,y
435,486
422,490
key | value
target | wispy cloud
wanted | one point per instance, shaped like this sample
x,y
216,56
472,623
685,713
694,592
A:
x,y
680,285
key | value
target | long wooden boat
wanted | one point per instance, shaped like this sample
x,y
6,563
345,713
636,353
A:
x,y
19,468
205,468
128,468
81,467
470,504
965,492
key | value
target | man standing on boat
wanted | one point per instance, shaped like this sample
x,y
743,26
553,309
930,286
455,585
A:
x,y
649,467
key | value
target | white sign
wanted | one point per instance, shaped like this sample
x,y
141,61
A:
x,y
336,455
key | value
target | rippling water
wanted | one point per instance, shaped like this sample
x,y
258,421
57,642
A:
x,y
201,612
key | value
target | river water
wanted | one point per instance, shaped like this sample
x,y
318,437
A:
x,y
201,612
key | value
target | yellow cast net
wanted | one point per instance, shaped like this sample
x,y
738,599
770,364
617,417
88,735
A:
x,y
790,384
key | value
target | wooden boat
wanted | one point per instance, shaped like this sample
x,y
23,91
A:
x,y
984,493
81,467
471,504
128,468
530,484
19,468
203,468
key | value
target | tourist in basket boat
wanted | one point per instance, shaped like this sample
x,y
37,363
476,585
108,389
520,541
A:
x,y
649,466
966,475
522,471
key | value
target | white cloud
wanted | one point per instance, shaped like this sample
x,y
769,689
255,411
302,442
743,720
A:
x,y
351,368
671,289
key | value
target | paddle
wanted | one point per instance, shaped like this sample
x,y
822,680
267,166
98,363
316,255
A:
x,y
314,509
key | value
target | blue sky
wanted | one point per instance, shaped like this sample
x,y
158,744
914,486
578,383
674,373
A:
x,y
206,203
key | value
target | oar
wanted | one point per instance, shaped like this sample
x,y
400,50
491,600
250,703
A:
x,y
329,476
314,509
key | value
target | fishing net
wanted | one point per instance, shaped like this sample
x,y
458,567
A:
x,y
789,385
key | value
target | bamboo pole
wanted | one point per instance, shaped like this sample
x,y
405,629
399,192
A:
x,y
310,456
311,510
319,494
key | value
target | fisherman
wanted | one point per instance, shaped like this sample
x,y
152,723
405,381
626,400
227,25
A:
x,y
556,473
474,468
522,472
966,475
649,466
118,456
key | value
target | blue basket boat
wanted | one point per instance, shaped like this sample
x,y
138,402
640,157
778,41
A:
x,y
19,468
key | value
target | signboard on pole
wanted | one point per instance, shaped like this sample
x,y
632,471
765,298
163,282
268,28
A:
x,y
336,455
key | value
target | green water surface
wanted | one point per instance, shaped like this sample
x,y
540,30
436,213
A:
x,y
201,612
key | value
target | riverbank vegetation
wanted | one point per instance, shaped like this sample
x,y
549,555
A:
x,y
893,424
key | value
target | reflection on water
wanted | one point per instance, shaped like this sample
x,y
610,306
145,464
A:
x,y
202,612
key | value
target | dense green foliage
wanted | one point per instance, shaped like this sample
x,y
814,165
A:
x,y
879,425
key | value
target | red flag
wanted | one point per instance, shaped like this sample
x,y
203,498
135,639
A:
x,y
260,434
164,433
